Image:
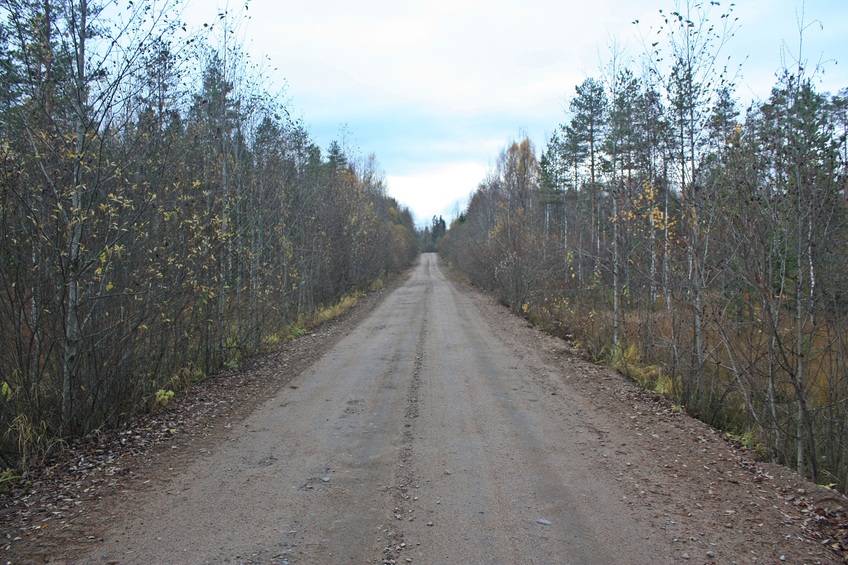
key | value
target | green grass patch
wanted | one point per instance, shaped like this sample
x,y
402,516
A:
x,y
346,303
181,379
8,479
629,362
303,325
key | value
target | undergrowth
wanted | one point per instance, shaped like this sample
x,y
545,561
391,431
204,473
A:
x,y
590,332
32,440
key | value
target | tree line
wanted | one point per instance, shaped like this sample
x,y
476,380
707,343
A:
x,y
431,234
695,245
161,214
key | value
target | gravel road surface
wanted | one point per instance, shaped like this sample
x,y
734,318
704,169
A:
x,y
442,430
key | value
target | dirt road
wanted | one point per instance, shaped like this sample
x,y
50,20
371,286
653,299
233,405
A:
x,y
443,430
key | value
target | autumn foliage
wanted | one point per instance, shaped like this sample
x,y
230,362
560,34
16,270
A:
x,y
160,216
697,247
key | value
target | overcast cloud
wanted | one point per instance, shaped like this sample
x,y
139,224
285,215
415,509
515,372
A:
x,y
435,88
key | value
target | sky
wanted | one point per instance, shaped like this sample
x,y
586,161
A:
x,y
436,88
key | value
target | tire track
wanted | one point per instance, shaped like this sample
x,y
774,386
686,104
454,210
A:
x,y
406,483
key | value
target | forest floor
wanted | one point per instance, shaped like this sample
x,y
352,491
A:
x,y
427,425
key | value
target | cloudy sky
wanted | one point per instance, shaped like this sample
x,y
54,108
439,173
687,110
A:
x,y
435,88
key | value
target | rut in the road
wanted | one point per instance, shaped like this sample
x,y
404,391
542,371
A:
x,y
405,484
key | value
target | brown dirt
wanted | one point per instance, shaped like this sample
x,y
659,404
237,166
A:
x,y
428,426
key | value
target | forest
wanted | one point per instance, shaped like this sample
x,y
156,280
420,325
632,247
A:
x,y
693,241
162,215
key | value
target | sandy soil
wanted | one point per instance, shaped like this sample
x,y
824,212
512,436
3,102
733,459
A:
x,y
437,428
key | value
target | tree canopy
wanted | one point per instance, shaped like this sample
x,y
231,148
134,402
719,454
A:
x,y
690,242
161,215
